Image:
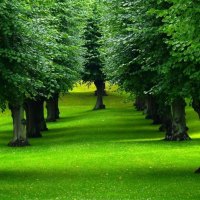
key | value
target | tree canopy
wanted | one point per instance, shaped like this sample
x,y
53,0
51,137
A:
x,y
149,48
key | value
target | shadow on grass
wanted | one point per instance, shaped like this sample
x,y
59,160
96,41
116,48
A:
x,y
5,137
138,183
90,134
132,174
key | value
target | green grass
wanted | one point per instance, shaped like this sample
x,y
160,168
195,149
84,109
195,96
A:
x,y
113,154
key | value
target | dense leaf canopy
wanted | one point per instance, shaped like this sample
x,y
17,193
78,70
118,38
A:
x,y
40,47
152,46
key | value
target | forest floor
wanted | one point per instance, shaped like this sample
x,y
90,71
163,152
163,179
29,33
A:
x,y
112,154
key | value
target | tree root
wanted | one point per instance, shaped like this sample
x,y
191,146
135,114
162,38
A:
x,y
177,137
18,143
100,107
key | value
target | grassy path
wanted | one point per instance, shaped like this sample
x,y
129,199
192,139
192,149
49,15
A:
x,y
112,154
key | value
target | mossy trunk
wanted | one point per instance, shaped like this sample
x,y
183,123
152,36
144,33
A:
x,y
19,127
32,109
139,103
178,121
52,108
100,88
196,105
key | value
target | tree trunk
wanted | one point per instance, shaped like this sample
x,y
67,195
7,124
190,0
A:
x,y
166,119
56,99
43,125
104,90
52,108
32,109
147,109
155,110
139,103
196,105
151,109
19,127
178,121
100,88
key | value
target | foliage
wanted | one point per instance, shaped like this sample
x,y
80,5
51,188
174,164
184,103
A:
x,y
152,46
39,41
133,46
70,21
93,66
181,25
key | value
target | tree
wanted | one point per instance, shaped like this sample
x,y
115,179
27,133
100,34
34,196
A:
x,y
70,21
18,63
29,53
93,66
139,59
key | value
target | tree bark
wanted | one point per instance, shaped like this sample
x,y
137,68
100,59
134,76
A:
x,y
43,125
139,103
52,108
155,110
32,109
19,127
178,121
151,109
100,88
166,119
104,90
147,109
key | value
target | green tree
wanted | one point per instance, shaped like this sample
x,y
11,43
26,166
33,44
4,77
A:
x,y
139,59
32,56
93,66
70,21
20,70
182,27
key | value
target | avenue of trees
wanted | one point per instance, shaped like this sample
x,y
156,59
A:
x,y
41,55
150,49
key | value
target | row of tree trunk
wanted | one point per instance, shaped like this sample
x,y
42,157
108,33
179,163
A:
x,y
35,123
171,117
33,111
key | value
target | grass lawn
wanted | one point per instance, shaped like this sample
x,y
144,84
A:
x,y
113,154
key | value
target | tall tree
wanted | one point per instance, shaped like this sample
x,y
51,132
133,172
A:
x,y
93,66
30,48
70,21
